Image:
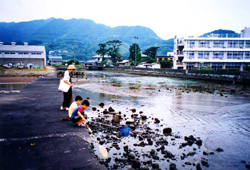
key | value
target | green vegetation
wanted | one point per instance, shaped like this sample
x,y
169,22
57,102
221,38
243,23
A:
x,y
134,50
166,64
222,33
230,69
207,69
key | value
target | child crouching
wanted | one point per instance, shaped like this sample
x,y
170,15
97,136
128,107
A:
x,y
78,115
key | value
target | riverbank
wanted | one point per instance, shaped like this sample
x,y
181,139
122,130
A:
x,y
210,75
33,136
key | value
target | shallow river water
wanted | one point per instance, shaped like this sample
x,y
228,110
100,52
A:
x,y
217,114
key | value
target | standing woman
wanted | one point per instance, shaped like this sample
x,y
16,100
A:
x,y
67,96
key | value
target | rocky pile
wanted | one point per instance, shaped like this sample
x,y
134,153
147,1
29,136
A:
x,y
149,145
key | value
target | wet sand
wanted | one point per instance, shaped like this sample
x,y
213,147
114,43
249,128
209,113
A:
x,y
17,79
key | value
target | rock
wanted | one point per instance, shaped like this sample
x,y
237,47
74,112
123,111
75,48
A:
x,y
168,155
129,122
93,108
198,142
141,112
101,105
204,153
155,166
155,157
204,163
172,166
136,164
116,119
152,152
198,167
190,140
140,138
143,117
131,156
219,150
111,109
102,142
167,131
105,111
132,127
157,120
150,142
142,144
125,148
133,110
188,163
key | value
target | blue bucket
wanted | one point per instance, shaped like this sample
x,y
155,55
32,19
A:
x,y
125,130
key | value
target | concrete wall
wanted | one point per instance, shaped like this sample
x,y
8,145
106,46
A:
x,y
212,75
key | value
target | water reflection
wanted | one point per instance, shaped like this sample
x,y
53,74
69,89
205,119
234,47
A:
x,y
12,86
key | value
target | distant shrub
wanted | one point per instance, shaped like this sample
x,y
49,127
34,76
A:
x,y
207,69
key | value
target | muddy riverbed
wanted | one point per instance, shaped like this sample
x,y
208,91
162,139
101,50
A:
x,y
174,123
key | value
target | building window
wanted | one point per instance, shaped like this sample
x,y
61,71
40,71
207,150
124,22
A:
x,y
233,65
232,44
190,66
217,66
190,54
203,65
241,44
38,53
235,55
191,43
247,55
7,53
26,53
218,44
247,44
235,44
229,55
218,55
203,55
238,55
204,43
20,53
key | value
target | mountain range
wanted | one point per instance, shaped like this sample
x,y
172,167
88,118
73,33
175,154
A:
x,y
82,36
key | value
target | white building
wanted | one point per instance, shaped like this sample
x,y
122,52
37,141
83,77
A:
x,y
55,60
212,52
24,54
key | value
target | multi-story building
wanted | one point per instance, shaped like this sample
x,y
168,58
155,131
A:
x,y
214,52
24,54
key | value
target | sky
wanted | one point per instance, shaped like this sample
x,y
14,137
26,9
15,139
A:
x,y
167,18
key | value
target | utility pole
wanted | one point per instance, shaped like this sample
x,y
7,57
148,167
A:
x,y
74,52
136,38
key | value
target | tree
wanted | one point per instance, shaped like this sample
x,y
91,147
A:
x,y
151,52
149,60
73,61
133,49
102,51
166,64
113,49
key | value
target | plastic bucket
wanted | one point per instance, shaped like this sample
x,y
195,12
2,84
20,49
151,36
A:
x,y
125,130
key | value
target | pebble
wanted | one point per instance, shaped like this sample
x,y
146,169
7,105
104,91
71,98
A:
x,y
219,150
